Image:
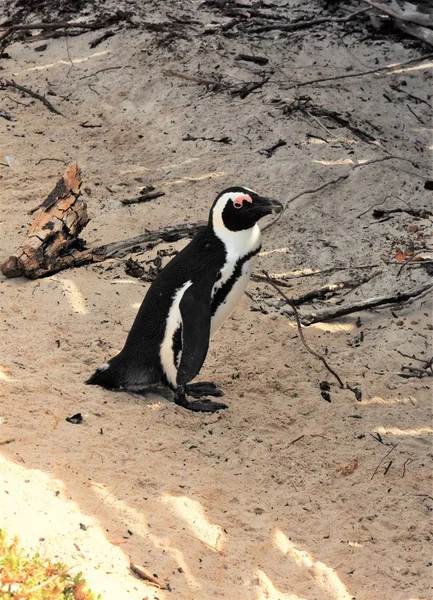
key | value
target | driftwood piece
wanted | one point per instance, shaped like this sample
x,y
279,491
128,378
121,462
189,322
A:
x,y
77,258
57,223
424,34
421,14
44,26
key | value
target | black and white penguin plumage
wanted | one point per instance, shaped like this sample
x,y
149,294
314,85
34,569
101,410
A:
x,y
189,301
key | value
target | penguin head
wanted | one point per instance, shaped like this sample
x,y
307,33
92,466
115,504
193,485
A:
x,y
239,208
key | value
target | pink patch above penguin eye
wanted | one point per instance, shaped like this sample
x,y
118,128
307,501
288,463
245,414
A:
x,y
238,203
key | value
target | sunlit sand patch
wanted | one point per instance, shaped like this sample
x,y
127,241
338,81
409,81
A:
x,y
313,140
54,532
323,575
341,161
330,582
284,250
295,274
301,557
192,512
333,327
355,544
5,377
74,61
116,281
140,520
213,175
269,592
140,169
389,401
404,432
73,295
420,67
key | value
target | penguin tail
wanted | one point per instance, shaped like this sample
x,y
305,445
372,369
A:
x,y
105,377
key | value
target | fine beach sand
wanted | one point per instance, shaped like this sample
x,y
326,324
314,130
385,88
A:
x,y
255,502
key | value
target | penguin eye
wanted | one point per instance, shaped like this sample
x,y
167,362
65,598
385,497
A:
x,y
237,204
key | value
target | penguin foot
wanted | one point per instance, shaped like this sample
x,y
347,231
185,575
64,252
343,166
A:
x,y
203,388
204,405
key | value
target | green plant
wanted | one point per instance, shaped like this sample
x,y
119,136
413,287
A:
x,y
32,577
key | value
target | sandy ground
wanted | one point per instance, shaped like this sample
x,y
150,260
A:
x,y
250,503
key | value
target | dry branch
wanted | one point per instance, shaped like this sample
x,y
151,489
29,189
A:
x,y
58,222
29,92
300,332
405,11
340,311
246,89
57,25
298,25
424,34
77,258
332,288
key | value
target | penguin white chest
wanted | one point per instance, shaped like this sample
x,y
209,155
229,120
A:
x,y
236,281
241,247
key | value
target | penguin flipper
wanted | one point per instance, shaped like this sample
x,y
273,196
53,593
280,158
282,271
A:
x,y
195,310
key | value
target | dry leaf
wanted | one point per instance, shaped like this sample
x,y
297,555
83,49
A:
x,y
348,469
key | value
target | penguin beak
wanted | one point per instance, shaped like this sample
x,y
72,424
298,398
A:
x,y
265,206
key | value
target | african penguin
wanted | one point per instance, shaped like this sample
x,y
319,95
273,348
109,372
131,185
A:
x,y
188,302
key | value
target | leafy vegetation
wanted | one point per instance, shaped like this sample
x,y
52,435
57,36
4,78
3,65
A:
x,y
24,577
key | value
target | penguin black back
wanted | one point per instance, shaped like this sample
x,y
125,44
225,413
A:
x,y
138,365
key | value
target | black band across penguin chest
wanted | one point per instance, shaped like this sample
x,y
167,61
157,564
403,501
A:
x,y
222,291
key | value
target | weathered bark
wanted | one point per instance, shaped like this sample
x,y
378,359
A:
x,y
56,226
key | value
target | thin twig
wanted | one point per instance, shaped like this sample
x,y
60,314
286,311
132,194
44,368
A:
x,y
303,193
297,439
361,73
46,582
246,89
387,468
102,71
301,333
56,159
380,204
322,126
386,455
415,115
412,357
407,261
33,94
335,181
17,101
406,462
